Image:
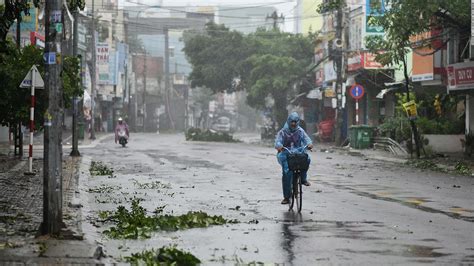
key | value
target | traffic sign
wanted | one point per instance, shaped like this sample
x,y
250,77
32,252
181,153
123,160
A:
x,y
28,80
357,91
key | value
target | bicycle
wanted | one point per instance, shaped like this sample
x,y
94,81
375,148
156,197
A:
x,y
297,163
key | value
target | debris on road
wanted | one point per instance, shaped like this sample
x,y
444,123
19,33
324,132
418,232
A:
x,y
164,256
100,169
135,223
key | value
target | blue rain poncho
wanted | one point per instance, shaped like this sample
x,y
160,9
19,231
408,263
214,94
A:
x,y
290,138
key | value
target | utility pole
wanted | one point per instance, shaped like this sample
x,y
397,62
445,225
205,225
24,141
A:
x,y
18,45
340,68
274,16
93,79
126,93
414,129
52,169
144,90
167,77
75,142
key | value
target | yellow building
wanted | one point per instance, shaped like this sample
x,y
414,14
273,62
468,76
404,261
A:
x,y
306,17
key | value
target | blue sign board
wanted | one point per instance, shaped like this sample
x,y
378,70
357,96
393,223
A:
x,y
50,58
374,9
357,91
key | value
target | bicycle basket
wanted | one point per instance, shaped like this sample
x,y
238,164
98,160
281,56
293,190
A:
x,y
298,161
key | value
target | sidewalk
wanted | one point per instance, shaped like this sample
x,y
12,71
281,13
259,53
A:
x,y
21,211
445,162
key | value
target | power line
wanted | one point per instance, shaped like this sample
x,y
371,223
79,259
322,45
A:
x,y
202,13
244,25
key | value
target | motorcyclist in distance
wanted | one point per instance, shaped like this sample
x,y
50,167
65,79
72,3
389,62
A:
x,y
120,128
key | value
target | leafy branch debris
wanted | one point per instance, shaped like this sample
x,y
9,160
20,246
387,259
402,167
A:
x,y
136,223
163,256
99,168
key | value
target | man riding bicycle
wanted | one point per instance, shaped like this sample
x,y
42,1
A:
x,y
291,136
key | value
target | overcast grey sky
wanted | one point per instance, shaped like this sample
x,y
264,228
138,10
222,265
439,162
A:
x,y
283,6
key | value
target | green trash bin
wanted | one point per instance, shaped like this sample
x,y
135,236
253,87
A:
x,y
361,136
80,130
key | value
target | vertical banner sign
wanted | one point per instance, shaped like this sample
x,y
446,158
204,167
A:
x,y
102,59
472,28
27,25
374,9
113,68
472,18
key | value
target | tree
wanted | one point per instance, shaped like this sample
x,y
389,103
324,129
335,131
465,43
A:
x,y
12,10
399,25
267,63
279,61
15,101
216,57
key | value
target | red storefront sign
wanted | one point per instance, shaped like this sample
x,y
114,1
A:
x,y
37,39
354,62
362,60
460,76
319,77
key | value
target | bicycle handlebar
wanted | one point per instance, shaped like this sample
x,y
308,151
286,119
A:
x,y
304,148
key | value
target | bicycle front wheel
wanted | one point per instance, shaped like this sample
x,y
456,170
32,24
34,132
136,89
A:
x,y
294,192
299,193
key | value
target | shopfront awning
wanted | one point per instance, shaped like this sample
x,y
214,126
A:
x,y
297,97
315,94
351,79
390,87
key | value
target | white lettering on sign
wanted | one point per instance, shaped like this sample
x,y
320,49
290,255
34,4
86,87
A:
x,y
465,74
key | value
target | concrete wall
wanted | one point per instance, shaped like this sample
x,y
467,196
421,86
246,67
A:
x,y
3,134
445,143
469,114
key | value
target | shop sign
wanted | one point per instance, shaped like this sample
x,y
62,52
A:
x,y
329,71
363,60
374,9
354,62
319,77
329,92
410,109
461,76
370,63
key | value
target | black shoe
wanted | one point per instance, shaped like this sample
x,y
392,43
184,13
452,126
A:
x,y
285,201
307,183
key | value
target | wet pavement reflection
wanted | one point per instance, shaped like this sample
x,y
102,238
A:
x,y
357,212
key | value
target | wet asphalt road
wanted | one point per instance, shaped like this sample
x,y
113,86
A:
x,y
357,211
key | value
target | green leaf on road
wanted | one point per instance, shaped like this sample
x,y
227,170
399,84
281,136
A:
x,y
163,256
135,223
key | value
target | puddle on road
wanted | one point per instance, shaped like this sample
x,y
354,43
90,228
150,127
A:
x,y
413,202
467,260
422,251
186,161
346,229
416,201
414,251
461,211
